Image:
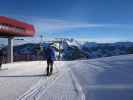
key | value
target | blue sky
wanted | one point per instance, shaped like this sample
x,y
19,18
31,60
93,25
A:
x,y
92,20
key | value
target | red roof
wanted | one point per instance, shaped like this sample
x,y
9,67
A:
x,y
12,27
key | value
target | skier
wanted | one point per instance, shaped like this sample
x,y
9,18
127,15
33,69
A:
x,y
50,57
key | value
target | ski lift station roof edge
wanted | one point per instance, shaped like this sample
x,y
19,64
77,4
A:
x,y
12,27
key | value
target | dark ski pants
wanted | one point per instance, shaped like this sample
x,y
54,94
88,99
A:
x,y
49,66
1,60
0,65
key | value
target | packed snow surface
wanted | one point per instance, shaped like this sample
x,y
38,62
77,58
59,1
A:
x,y
109,78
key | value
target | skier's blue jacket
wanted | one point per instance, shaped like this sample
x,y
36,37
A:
x,y
50,53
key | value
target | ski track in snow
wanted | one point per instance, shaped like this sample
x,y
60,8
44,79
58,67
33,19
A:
x,y
42,85
34,92
46,85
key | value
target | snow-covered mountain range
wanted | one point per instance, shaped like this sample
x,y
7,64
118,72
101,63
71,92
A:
x,y
87,50
72,50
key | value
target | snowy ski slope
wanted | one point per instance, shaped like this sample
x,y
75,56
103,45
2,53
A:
x,y
108,78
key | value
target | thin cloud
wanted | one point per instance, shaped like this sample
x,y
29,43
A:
x,y
54,25
102,40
